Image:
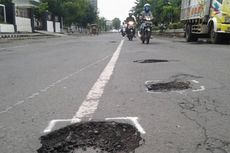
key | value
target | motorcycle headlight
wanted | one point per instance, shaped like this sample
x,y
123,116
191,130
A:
x,y
131,23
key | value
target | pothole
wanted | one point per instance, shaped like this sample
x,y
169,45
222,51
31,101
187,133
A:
x,y
151,61
93,137
175,85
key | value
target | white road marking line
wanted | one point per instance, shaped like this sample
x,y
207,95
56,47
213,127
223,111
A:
x,y
19,102
53,123
14,47
33,95
202,88
90,104
6,110
45,89
3,112
9,108
52,85
133,119
195,81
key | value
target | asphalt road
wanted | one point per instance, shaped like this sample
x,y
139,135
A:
x,y
53,79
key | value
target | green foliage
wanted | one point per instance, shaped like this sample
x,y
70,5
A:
x,y
116,23
79,12
164,11
177,25
41,9
101,22
5,1
74,11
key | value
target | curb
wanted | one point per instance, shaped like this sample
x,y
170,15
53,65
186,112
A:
x,y
23,36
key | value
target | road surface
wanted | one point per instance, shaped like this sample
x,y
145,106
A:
x,y
71,79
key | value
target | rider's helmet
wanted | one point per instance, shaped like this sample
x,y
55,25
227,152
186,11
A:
x,y
147,8
130,14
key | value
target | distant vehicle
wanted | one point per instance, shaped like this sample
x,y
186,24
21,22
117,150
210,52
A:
x,y
94,29
130,30
114,30
122,30
147,30
206,19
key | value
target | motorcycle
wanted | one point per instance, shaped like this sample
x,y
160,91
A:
x,y
130,30
123,31
146,30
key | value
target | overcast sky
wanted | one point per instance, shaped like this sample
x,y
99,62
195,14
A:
x,y
115,8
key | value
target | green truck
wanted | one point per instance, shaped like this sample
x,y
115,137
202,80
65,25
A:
x,y
206,19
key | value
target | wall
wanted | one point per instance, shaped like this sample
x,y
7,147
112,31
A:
x,y
23,24
6,28
58,26
50,26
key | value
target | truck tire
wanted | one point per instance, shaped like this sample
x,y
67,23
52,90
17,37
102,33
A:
x,y
214,36
188,34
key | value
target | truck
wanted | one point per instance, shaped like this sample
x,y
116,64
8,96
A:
x,y
206,19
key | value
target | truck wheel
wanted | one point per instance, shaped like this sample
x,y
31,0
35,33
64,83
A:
x,y
215,37
188,34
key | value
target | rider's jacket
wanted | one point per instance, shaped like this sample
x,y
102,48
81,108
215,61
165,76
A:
x,y
130,19
144,14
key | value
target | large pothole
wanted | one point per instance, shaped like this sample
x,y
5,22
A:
x,y
93,137
175,85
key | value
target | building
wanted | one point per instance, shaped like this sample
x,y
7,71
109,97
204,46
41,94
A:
x,y
24,14
94,4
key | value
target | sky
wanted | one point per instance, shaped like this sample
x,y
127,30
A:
x,y
111,9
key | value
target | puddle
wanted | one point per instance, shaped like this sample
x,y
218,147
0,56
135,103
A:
x,y
113,42
151,61
175,85
92,137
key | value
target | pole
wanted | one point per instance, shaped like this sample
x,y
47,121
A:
x,y
4,12
4,8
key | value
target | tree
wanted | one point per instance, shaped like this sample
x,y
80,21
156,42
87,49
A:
x,y
80,12
164,11
5,1
74,11
41,9
55,6
101,22
116,23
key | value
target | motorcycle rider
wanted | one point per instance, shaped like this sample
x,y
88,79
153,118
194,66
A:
x,y
146,12
123,28
130,18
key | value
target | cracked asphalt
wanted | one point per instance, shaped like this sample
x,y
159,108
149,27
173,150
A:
x,y
48,79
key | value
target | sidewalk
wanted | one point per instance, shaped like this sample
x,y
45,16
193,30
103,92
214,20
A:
x,y
37,35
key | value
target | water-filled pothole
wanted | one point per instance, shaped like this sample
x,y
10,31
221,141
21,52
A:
x,y
113,41
98,137
168,86
151,61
